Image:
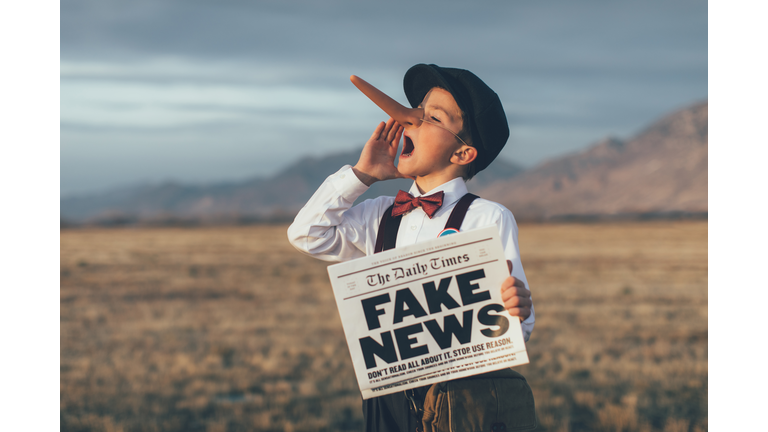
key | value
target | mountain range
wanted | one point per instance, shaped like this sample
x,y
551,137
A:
x,y
662,170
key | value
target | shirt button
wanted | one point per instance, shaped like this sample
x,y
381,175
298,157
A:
x,y
413,227
343,175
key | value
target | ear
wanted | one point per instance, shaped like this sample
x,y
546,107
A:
x,y
464,155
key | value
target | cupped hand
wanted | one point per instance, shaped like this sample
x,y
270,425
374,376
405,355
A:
x,y
377,161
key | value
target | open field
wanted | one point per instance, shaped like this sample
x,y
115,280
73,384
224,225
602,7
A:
x,y
230,329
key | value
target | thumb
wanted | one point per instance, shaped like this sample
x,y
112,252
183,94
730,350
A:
x,y
509,264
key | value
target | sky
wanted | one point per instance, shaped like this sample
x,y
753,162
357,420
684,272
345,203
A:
x,y
202,92
657,51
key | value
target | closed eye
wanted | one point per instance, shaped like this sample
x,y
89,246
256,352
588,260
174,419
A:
x,y
435,119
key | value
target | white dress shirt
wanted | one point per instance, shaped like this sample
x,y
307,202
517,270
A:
x,y
331,229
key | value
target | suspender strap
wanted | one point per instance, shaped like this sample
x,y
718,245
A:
x,y
388,227
387,234
458,213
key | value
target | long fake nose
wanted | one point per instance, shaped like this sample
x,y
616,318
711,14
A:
x,y
409,118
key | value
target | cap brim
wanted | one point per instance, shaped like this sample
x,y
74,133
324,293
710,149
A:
x,y
420,79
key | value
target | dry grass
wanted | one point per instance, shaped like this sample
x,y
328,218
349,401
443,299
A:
x,y
620,342
228,329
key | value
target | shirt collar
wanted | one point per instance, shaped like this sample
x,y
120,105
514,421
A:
x,y
453,190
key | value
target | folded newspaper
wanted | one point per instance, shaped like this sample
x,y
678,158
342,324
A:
x,y
428,312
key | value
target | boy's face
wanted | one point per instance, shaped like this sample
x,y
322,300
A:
x,y
428,148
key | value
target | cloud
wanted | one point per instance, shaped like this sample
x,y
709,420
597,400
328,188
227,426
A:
x,y
265,76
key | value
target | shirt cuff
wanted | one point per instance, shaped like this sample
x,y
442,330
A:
x,y
345,182
527,325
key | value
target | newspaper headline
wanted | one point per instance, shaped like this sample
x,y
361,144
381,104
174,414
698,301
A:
x,y
427,313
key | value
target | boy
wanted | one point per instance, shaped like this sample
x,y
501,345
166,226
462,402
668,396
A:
x,y
463,129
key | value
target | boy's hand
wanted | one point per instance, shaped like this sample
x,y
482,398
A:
x,y
517,299
377,161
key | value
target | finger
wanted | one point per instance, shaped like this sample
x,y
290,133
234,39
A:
x,y
391,129
522,313
377,132
514,291
517,301
507,283
510,282
398,135
509,265
513,281
390,123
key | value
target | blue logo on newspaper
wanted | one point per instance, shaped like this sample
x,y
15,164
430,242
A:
x,y
448,231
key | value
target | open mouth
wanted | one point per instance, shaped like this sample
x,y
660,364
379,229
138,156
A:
x,y
407,147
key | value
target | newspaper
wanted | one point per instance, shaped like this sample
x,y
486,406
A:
x,y
428,312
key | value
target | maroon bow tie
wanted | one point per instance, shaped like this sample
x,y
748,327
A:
x,y
405,202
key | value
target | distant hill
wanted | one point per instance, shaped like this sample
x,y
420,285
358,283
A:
x,y
662,170
277,197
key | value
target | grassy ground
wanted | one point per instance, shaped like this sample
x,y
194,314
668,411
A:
x,y
229,329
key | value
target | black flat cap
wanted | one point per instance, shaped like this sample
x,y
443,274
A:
x,y
481,105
